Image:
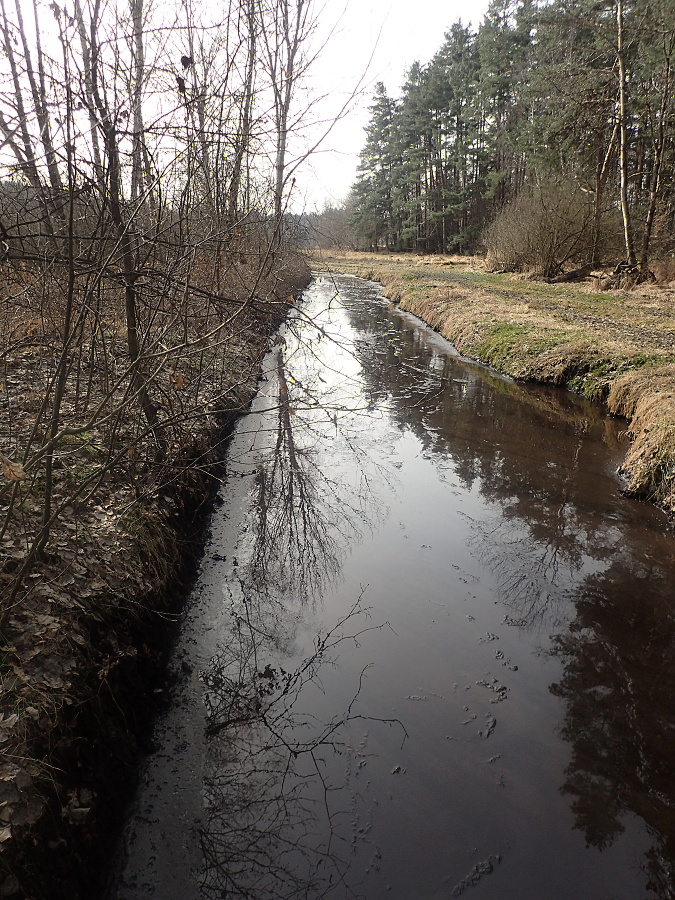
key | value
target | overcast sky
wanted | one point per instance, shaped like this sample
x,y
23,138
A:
x,y
395,33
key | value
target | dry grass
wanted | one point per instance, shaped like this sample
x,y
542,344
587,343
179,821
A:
x,y
647,399
617,347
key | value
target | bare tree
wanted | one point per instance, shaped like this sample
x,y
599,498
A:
x,y
288,26
659,121
131,146
631,258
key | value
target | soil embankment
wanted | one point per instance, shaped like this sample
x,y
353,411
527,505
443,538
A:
x,y
87,617
617,347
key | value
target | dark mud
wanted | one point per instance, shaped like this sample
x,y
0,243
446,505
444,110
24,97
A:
x,y
430,651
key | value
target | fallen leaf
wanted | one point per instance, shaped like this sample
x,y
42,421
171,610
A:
x,y
29,812
10,886
77,814
11,470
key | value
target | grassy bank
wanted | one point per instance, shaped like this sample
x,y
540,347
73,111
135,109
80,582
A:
x,y
90,595
617,347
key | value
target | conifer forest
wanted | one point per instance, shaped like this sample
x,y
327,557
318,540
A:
x,y
545,138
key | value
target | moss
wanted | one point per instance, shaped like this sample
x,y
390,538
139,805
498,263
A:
x,y
497,349
595,384
516,349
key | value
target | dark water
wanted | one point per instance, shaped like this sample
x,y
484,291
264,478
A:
x,y
431,649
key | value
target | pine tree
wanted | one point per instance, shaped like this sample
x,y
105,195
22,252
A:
x,y
460,181
576,95
372,194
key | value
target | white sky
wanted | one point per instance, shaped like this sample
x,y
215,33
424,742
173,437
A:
x,y
408,30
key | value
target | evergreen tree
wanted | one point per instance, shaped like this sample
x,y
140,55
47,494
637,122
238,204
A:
x,y
373,213
504,45
461,160
574,94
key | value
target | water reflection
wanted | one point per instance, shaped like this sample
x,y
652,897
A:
x,y
270,799
618,688
272,796
307,514
297,512
547,555
481,427
506,526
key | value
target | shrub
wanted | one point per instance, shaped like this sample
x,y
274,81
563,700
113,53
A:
x,y
550,226
664,269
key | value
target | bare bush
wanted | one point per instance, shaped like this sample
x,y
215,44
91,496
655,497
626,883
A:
x,y
664,269
550,226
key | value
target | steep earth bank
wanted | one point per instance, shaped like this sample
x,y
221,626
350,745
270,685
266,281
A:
x,y
86,629
617,347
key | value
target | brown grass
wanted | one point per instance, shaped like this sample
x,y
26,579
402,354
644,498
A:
x,y
617,347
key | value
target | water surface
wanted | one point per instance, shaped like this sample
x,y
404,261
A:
x,y
430,651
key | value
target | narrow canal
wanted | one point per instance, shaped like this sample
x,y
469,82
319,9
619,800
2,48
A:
x,y
430,652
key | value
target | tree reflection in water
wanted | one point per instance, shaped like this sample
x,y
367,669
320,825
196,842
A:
x,y
272,806
298,511
618,653
552,561
539,539
619,687
538,545
277,824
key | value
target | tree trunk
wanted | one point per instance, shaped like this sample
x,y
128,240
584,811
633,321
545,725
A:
x,y
244,136
623,128
659,143
114,200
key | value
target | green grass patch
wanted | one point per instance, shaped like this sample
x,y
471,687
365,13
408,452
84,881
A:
x,y
510,347
596,382
497,348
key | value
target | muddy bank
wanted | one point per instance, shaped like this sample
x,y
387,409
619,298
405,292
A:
x,y
617,347
86,631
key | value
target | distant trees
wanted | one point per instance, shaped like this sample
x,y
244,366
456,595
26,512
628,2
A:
x,y
574,93
373,213
332,228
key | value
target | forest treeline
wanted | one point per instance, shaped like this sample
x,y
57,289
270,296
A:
x,y
545,137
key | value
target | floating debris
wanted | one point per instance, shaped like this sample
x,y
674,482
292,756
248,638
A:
x,y
482,868
505,661
490,723
514,623
489,636
499,689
